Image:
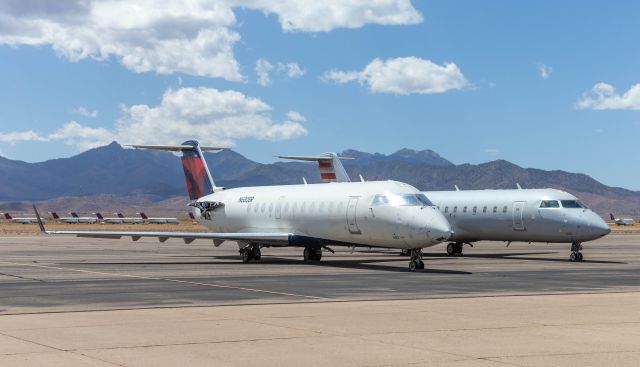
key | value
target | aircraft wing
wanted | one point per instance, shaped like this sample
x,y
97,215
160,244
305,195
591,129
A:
x,y
276,238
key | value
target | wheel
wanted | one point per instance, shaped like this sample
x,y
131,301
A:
x,y
573,256
257,255
412,266
306,255
458,248
420,264
451,250
580,258
317,256
246,256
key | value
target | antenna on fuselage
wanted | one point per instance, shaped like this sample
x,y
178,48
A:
x,y
519,187
457,188
361,178
304,180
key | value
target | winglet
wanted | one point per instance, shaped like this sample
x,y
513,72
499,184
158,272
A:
x,y
40,223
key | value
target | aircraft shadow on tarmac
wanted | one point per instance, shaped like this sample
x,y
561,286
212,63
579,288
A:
x,y
275,260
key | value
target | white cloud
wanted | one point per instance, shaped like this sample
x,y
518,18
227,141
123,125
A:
x,y
403,75
213,117
83,111
291,69
296,116
492,151
324,16
604,96
194,37
544,70
263,67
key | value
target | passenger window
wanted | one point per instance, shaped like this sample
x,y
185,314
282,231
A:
x,y
331,207
264,205
312,207
255,208
293,208
549,204
484,209
446,209
475,209
495,209
455,209
504,209
464,210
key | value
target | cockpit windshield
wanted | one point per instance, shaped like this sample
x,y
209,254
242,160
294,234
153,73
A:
x,y
572,204
549,204
390,199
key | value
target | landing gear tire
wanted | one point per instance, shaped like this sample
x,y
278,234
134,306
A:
x,y
416,260
312,254
257,255
454,248
250,253
576,255
246,255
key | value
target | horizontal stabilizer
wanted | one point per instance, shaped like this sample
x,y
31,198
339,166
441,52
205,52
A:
x,y
174,148
329,165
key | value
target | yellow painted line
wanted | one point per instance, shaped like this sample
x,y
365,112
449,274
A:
x,y
166,280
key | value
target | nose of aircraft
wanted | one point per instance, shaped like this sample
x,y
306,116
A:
x,y
598,226
439,228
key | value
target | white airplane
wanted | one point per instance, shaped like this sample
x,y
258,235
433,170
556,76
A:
x,y
622,221
83,219
24,220
111,220
129,219
157,220
385,214
543,215
68,220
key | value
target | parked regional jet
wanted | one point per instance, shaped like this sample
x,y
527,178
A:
x,y
386,214
68,220
112,220
543,215
129,219
157,220
622,221
83,219
23,220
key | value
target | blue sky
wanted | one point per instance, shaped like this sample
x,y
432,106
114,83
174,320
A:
x,y
491,102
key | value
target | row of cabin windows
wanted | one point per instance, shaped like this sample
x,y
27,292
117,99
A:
x,y
475,209
286,207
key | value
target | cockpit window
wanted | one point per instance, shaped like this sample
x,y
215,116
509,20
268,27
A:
x,y
572,204
401,200
549,204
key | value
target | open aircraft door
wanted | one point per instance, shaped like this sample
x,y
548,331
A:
x,y
351,216
518,217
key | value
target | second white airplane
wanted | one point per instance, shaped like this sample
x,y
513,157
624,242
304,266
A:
x,y
386,214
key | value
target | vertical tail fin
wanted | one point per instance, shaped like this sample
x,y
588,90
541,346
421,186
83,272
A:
x,y
143,216
7,216
191,216
99,216
54,215
197,175
73,214
119,215
612,216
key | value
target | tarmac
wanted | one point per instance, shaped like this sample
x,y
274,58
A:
x,y
87,302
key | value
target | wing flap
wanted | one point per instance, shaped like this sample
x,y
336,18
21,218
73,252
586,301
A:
x,y
268,237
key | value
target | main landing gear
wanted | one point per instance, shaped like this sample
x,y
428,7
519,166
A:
x,y
576,255
312,254
454,248
416,259
251,253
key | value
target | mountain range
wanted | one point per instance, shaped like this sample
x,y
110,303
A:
x,y
112,173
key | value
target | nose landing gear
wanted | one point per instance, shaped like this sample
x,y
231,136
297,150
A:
x,y
312,254
576,255
416,259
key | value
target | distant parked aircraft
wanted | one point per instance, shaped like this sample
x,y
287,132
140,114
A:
x,y
83,219
24,220
111,220
622,221
69,220
192,217
156,220
129,219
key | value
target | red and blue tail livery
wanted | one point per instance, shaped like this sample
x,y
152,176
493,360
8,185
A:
x,y
195,172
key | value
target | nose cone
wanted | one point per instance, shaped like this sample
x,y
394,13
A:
x,y
598,226
439,228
